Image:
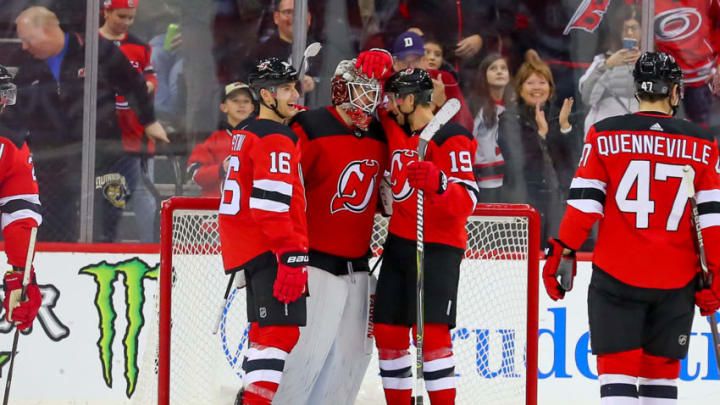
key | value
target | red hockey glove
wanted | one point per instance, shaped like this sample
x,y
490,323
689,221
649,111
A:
x,y
292,274
376,63
21,313
557,264
427,177
708,299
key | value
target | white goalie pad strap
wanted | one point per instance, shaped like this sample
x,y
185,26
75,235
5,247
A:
x,y
8,219
440,384
397,383
265,353
439,364
273,376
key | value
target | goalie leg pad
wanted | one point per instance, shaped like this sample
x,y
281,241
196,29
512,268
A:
x,y
346,364
305,363
395,362
265,360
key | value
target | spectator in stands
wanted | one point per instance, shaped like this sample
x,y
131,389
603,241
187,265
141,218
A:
x,y
168,64
409,52
136,164
208,163
487,103
607,86
51,84
435,57
538,143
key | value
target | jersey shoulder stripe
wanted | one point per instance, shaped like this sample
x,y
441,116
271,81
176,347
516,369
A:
x,y
449,130
321,122
652,122
262,128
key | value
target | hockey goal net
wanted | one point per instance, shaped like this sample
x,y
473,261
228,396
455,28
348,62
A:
x,y
196,346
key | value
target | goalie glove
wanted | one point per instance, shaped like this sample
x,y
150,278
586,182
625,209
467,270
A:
x,y
376,62
708,299
559,265
291,274
21,313
426,176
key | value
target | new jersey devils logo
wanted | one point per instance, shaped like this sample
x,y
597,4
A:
x,y
398,175
355,186
677,24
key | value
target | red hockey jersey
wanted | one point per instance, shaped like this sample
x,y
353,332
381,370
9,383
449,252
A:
x,y
138,53
688,30
631,178
263,202
451,149
342,168
19,200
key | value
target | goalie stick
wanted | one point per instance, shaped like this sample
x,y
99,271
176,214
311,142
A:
x,y
23,297
706,276
446,112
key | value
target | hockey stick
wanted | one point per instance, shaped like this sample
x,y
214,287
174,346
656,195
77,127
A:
x,y
23,298
707,276
311,51
446,112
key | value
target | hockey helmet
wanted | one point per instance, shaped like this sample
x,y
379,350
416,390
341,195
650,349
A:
x,y
356,93
8,90
411,81
270,72
656,73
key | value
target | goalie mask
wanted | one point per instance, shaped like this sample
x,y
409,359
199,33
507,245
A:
x,y
355,93
8,90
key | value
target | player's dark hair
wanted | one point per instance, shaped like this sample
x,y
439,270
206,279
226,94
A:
x,y
412,81
480,98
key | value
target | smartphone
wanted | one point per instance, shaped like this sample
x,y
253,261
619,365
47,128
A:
x,y
629,43
172,31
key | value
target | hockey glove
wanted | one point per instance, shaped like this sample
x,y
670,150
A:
x,y
708,299
427,177
21,313
558,265
376,63
291,275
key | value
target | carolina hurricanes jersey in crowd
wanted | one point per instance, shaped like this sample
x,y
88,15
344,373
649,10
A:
x,y
687,29
138,53
19,200
342,168
631,176
451,149
205,162
263,202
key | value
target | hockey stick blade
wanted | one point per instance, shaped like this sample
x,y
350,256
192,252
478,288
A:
x,y
445,114
311,51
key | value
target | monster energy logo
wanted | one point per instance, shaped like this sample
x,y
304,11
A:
x,y
105,276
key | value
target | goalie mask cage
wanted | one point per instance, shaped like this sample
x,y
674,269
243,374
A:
x,y
495,340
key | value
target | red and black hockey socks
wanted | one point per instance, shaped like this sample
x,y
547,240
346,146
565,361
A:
x,y
265,360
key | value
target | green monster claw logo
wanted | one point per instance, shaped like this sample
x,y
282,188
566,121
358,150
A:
x,y
105,275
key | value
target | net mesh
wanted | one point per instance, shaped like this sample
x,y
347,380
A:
x,y
489,341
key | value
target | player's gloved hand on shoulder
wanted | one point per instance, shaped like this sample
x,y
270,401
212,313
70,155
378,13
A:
x,y
708,299
375,62
427,176
21,313
557,265
291,275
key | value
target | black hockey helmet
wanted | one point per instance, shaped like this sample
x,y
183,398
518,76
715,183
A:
x,y
270,72
656,73
411,81
8,91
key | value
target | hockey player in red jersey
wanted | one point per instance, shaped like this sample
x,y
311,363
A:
x,y
20,209
630,178
446,176
344,155
263,229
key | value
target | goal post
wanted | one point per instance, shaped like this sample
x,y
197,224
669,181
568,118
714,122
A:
x,y
495,340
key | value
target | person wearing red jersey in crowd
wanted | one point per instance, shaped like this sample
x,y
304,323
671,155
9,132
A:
x,y
631,178
208,162
20,210
119,15
451,193
263,230
344,155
